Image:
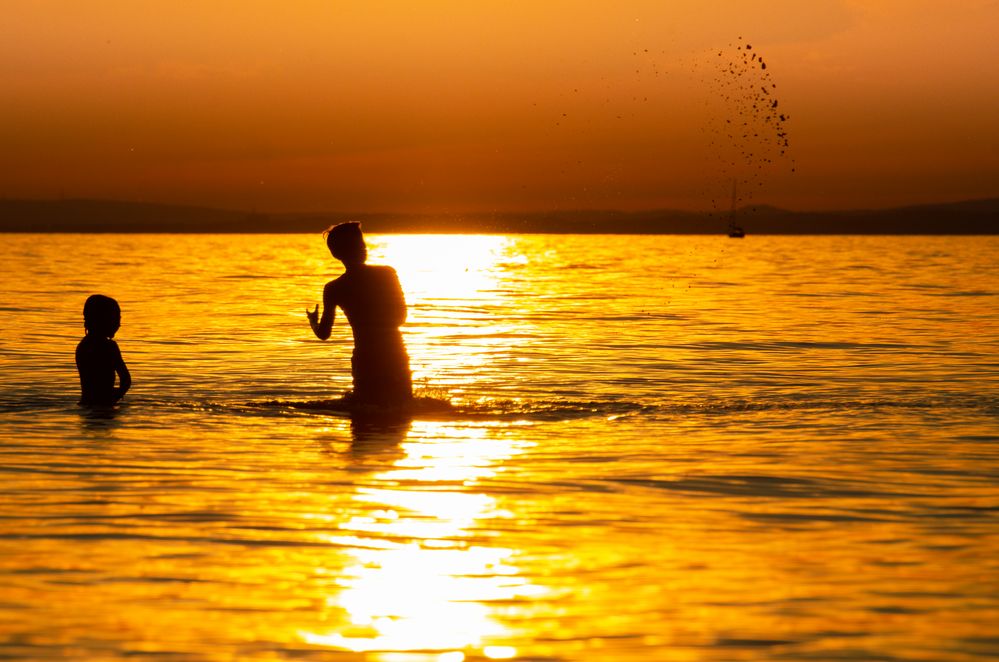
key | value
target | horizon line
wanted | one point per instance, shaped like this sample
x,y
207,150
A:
x,y
382,213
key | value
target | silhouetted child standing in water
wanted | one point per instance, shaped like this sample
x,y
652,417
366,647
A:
x,y
372,299
97,356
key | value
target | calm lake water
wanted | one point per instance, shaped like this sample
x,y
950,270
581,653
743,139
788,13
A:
x,y
664,448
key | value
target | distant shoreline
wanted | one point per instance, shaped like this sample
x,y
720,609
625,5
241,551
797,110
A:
x,y
972,217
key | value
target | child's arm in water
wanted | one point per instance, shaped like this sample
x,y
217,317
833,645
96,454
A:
x,y
124,378
323,327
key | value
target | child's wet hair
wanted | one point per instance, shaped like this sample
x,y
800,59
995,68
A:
x,y
101,315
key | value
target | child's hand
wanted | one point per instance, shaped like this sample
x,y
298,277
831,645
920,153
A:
x,y
313,315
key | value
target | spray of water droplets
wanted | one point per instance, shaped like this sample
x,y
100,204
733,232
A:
x,y
746,124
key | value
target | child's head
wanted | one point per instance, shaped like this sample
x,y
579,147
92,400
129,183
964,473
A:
x,y
346,242
101,315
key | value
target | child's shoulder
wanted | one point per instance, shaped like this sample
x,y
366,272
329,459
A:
x,y
97,343
379,271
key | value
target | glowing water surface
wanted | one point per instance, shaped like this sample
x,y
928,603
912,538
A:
x,y
670,448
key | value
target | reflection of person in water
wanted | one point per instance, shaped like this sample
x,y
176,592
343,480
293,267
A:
x,y
371,298
97,356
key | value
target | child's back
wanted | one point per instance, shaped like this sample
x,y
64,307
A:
x,y
98,358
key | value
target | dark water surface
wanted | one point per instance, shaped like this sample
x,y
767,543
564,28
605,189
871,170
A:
x,y
669,448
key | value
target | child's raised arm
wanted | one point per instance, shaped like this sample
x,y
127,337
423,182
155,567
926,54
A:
x,y
323,327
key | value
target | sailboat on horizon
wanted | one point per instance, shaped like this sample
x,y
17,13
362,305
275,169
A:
x,y
735,231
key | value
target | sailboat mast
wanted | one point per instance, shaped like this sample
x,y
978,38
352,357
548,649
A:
x,y
734,230
731,213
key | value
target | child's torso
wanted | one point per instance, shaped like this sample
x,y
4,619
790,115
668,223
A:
x,y
95,360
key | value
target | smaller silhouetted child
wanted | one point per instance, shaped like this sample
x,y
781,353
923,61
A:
x,y
97,356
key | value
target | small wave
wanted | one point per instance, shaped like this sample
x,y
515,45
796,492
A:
x,y
419,407
247,277
782,345
35,402
965,293
438,408
984,404
433,405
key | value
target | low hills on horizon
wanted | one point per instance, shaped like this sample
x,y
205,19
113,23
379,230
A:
x,y
111,216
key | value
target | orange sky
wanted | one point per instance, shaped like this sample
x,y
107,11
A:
x,y
455,105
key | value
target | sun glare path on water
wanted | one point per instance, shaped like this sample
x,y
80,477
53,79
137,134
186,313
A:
x,y
453,284
420,574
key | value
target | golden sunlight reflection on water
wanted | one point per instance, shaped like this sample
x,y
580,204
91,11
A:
x,y
443,267
420,574
455,285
